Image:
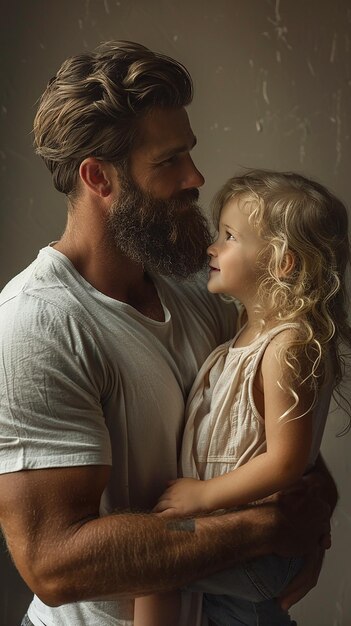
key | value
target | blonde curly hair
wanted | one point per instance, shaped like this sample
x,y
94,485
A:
x,y
300,218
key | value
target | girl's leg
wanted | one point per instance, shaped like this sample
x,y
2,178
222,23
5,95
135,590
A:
x,y
158,610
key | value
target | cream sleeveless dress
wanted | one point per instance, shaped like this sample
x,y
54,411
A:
x,y
223,426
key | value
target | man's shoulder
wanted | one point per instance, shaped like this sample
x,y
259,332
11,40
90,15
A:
x,y
43,317
37,278
38,294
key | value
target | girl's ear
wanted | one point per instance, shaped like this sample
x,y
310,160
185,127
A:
x,y
287,265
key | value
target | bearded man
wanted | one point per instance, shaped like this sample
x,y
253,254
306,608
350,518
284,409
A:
x,y
100,343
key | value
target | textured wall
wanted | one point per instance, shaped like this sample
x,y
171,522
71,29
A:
x,y
273,89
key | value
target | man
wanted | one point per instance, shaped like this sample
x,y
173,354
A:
x,y
99,350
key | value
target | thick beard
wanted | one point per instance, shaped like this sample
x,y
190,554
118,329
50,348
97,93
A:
x,y
168,237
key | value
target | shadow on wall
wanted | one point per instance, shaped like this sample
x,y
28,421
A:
x,y
14,594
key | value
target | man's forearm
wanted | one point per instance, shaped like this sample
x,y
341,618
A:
x,y
66,552
130,555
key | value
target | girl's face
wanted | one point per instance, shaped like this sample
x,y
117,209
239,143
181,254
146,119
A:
x,y
234,267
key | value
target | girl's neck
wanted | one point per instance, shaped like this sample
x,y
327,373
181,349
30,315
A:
x,y
255,325
253,319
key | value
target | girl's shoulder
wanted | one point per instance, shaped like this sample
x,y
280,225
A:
x,y
279,339
284,333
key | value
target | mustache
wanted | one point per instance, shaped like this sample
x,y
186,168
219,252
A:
x,y
191,195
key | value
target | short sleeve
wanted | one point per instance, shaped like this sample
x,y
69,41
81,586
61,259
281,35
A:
x,y
51,380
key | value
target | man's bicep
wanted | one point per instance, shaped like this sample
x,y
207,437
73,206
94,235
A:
x,y
41,510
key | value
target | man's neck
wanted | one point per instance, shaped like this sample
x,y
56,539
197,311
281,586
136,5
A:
x,y
112,273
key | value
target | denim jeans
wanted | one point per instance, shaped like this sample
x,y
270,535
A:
x,y
246,595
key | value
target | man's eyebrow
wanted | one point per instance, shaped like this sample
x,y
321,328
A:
x,y
167,154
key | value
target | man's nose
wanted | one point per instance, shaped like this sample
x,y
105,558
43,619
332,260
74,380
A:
x,y
192,176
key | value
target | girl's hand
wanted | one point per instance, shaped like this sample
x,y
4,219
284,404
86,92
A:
x,y
185,496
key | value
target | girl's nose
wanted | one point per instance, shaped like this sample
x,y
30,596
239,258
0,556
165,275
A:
x,y
211,250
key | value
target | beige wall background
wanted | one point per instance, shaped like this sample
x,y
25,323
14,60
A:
x,y
273,89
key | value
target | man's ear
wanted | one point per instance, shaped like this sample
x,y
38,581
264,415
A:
x,y
288,264
95,174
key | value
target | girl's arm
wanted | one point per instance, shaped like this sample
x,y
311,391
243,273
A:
x,y
162,609
288,447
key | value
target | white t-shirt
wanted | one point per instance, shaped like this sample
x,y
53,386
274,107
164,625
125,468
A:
x,y
88,380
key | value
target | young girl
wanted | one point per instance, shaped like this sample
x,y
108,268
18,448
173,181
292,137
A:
x,y
256,413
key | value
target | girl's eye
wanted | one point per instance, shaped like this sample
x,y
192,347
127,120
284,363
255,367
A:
x,y
229,236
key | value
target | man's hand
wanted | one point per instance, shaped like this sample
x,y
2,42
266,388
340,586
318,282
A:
x,y
305,519
305,580
319,485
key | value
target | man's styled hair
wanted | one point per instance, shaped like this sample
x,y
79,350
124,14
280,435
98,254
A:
x,y
92,105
